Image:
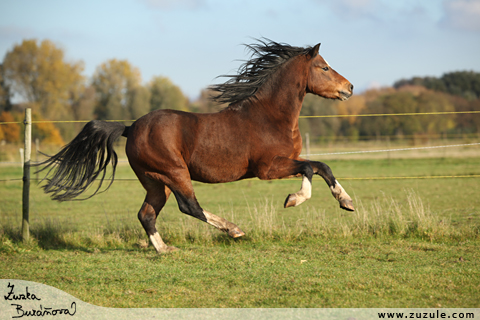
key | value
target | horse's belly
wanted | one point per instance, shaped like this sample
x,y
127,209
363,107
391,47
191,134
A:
x,y
218,170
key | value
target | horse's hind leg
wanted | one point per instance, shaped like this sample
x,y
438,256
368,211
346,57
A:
x,y
224,225
188,204
156,198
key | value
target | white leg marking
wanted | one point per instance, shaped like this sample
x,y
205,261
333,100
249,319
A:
x,y
305,192
338,192
215,221
158,243
342,197
224,225
336,189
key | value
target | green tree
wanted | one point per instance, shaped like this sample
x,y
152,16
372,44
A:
x,y
5,104
431,102
166,95
402,102
140,102
83,106
205,104
475,119
322,128
460,83
115,83
39,74
387,103
466,122
375,126
463,83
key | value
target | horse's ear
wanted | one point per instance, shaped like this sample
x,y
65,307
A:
x,y
313,52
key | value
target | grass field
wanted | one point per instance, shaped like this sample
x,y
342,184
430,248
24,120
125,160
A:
x,y
410,243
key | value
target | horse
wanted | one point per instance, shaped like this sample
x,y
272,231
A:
x,y
256,135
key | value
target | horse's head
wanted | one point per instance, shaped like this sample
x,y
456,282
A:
x,y
323,80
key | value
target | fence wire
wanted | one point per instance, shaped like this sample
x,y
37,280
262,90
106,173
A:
x,y
309,155
301,117
392,150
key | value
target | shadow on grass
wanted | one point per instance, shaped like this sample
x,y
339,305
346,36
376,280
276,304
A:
x,y
51,235
63,235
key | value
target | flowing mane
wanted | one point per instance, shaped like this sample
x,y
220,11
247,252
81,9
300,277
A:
x,y
266,57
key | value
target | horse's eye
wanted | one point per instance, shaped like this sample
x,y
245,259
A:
x,y
325,69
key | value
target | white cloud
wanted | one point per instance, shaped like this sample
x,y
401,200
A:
x,y
462,15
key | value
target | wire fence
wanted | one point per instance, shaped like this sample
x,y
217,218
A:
x,y
393,150
308,155
327,154
301,117
26,179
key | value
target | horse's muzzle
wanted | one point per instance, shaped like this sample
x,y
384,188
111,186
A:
x,y
344,95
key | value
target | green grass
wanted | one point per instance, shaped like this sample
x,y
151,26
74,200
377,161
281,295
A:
x,y
410,243
309,273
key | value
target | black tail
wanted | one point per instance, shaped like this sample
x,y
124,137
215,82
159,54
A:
x,y
79,163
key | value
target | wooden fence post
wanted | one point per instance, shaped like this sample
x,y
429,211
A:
x,y
26,175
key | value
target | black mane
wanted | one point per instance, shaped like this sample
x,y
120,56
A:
x,y
266,57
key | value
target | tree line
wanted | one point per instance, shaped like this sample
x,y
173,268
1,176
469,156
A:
x,y
455,93
461,83
38,74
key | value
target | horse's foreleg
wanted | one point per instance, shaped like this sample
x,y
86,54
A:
x,y
305,193
282,167
336,188
342,196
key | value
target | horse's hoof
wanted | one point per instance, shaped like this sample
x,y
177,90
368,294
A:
x,y
236,232
347,205
291,201
168,249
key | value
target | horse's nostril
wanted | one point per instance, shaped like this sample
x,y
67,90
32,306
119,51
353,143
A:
x,y
351,87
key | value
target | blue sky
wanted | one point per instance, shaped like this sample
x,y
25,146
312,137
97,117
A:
x,y
370,42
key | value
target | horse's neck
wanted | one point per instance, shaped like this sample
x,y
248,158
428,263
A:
x,y
282,96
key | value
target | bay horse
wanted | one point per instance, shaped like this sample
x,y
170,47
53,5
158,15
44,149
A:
x,y
256,135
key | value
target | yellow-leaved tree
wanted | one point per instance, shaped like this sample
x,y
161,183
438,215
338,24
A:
x,y
10,131
39,74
